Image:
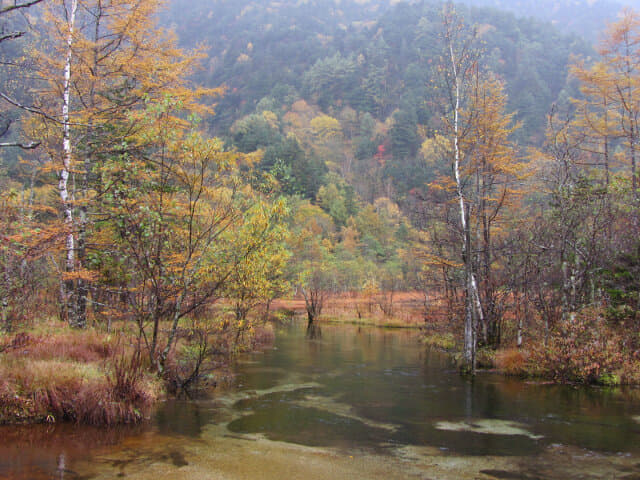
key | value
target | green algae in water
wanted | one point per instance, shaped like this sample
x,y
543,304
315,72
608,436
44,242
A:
x,y
286,421
488,426
331,405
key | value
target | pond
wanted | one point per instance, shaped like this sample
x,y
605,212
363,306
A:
x,y
352,403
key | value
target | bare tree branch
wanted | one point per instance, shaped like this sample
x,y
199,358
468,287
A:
x,y
34,110
24,146
17,6
10,36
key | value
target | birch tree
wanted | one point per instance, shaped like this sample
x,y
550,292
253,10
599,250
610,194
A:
x,y
459,64
115,61
67,286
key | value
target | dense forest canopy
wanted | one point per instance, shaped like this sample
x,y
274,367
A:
x,y
375,62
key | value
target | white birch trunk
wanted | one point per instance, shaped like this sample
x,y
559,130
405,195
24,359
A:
x,y
63,189
473,296
521,317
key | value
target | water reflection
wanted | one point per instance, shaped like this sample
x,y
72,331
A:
x,y
183,417
35,452
313,331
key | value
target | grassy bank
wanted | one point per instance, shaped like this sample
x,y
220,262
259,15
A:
x,y
53,373
50,372
586,348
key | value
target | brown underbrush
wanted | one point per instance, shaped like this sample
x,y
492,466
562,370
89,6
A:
x,y
587,347
58,374
591,346
512,361
383,309
205,348
50,372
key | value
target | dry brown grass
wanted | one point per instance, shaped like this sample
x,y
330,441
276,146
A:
x,y
81,376
402,309
512,361
79,346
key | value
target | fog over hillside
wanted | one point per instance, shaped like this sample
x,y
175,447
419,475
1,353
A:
x,y
587,18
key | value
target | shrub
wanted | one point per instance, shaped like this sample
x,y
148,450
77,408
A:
x,y
443,341
511,361
582,349
79,376
485,358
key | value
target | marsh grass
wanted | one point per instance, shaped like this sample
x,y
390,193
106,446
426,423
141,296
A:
x,y
59,374
512,361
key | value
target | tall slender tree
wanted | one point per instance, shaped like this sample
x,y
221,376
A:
x,y
621,80
458,65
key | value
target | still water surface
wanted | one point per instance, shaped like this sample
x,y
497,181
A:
x,y
353,403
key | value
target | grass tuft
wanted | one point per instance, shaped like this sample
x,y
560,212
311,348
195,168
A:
x,y
512,361
69,375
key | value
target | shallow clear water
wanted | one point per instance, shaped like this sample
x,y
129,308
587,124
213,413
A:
x,y
352,403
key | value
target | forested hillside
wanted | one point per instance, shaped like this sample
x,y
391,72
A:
x,y
384,117
353,111
377,78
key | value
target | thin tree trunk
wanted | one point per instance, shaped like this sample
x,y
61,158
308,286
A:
x,y
632,147
172,333
474,306
566,285
606,143
82,286
67,209
6,291
521,312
